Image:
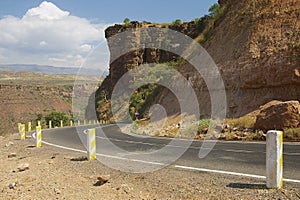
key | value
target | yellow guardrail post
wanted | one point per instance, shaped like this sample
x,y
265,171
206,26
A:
x,y
61,123
29,127
91,144
38,136
22,131
274,158
71,123
39,123
50,124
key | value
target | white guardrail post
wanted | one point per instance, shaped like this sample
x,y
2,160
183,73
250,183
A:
x,y
91,144
38,136
274,158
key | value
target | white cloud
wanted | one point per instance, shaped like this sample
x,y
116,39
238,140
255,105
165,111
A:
x,y
43,43
46,10
85,47
48,35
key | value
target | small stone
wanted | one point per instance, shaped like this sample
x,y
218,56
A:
x,y
57,191
81,158
12,155
104,178
23,167
125,188
68,157
54,155
50,162
12,185
9,144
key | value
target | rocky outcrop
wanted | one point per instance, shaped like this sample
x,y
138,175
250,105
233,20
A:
x,y
279,116
134,57
255,44
256,47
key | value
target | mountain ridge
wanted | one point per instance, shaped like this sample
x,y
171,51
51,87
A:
x,y
47,69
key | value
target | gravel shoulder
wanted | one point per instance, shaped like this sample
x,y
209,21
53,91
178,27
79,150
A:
x,y
60,174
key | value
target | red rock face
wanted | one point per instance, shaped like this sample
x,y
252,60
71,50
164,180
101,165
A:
x,y
256,46
135,57
279,116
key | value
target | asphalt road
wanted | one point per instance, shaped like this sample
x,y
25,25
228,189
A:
x,y
239,157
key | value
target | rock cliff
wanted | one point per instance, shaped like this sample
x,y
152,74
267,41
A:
x,y
255,44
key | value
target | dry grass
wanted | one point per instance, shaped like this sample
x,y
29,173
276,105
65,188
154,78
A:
x,y
292,134
245,122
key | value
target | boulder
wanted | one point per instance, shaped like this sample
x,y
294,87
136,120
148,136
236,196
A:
x,y
278,116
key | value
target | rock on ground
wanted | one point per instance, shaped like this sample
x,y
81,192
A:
x,y
279,116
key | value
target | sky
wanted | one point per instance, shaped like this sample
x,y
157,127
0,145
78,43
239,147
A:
x,y
62,33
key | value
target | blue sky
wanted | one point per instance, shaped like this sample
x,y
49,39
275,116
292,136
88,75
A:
x,y
111,11
63,32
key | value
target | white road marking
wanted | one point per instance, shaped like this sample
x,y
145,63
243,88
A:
x,y
191,147
129,159
176,166
193,140
103,155
229,173
62,147
292,154
238,151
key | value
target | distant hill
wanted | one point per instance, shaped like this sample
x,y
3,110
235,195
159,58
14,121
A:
x,y
45,69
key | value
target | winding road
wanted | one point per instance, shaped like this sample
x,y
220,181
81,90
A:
x,y
235,158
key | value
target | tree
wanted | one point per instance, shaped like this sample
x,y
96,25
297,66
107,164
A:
x,y
214,10
126,21
177,22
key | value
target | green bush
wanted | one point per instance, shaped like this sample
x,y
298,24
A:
x,y
55,117
177,22
215,10
126,21
203,124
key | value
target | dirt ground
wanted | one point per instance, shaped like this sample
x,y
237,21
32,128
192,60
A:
x,y
53,174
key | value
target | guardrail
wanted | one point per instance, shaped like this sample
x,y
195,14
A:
x,y
91,135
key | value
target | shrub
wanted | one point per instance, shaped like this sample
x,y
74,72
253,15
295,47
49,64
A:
x,y
292,134
177,22
55,117
204,124
126,21
215,10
